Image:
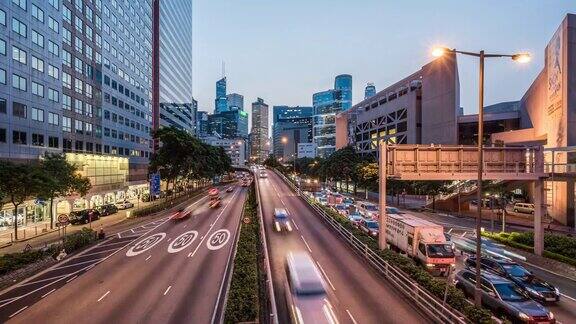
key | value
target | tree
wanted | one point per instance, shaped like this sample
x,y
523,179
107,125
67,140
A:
x,y
62,179
19,182
432,188
368,176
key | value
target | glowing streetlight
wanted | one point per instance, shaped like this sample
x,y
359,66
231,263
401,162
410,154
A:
x,y
520,58
284,140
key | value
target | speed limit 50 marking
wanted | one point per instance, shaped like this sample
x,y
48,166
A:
x,y
218,239
182,241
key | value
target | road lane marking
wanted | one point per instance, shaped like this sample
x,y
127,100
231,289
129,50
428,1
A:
x,y
167,290
104,251
295,225
39,281
307,246
218,239
132,230
145,244
217,218
182,241
78,263
48,293
113,243
566,296
351,317
103,296
76,276
148,258
326,276
18,311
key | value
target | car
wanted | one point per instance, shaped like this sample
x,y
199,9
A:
x,y
504,297
448,237
322,201
369,226
355,218
107,209
341,209
393,210
348,201
263,174
182,214
230,189
282,220
83,216
368,210
523,208
306,297
124,204
535,287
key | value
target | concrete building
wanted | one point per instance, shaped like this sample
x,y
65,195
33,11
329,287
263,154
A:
x,y
419,109
234,148
369,91
235,101
306,150
259,141
291,126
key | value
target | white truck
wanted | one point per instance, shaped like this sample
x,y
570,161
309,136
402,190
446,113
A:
x,y
422,240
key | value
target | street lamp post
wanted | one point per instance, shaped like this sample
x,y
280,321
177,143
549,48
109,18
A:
x,y
521,58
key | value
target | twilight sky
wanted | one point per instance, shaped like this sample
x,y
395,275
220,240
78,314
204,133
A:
x,y
285,50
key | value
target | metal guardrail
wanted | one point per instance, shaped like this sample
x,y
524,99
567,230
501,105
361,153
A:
x,y
272,298
423,299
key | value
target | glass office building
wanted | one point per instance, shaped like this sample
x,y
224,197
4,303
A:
x,y
343,82
220,103
295,125
326,105
369,91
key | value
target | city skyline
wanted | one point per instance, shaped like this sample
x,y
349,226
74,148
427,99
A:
x,y
291,57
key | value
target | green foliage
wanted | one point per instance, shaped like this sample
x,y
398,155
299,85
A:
x,y
243,297
162,205
183,157
79,239
14,261
558,247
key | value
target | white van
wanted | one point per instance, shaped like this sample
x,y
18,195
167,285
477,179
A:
x,y
524,208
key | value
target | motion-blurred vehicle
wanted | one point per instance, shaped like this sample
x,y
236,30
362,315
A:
x,y
335,199
369,226
368,210
421,240
182,213
535,287
504,297
393,210
282,220
107,209
230,189
263,174
348,201
214,198
524,208
306,297
322,201
124,204
83,216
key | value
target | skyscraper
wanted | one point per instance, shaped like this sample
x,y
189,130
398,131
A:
x,y
229,124
235,101
259,140
291,126
177,106
343,82
326,105
202,124
220,103
370,90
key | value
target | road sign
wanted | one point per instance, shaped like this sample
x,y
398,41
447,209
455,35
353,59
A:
x,y
155,184
63,220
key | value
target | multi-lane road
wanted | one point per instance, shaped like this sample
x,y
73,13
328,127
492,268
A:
x,y
358,294
165,271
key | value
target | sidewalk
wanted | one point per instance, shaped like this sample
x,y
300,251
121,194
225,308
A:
x,y
109,224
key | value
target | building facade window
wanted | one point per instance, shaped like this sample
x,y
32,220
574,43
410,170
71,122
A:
x,y
37,89
37,64
37,38
66,124
19,137
53,95
20,3
2,76
37,114
37,139
53,119
19,27
19,55
19,82
37,13
19,110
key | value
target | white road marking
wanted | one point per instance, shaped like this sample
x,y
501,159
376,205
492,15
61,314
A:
x,y
218,239
217,218
76,276
78,263
132,230
114,243
39,281
18,311
566,296
48,293
185,225
103,296
351,317
119,235
145,244
183,241
167,290
148,258
307,246
295,225
99,252
190,254
325,276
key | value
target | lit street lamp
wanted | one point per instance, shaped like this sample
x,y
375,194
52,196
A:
x,y
521,58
